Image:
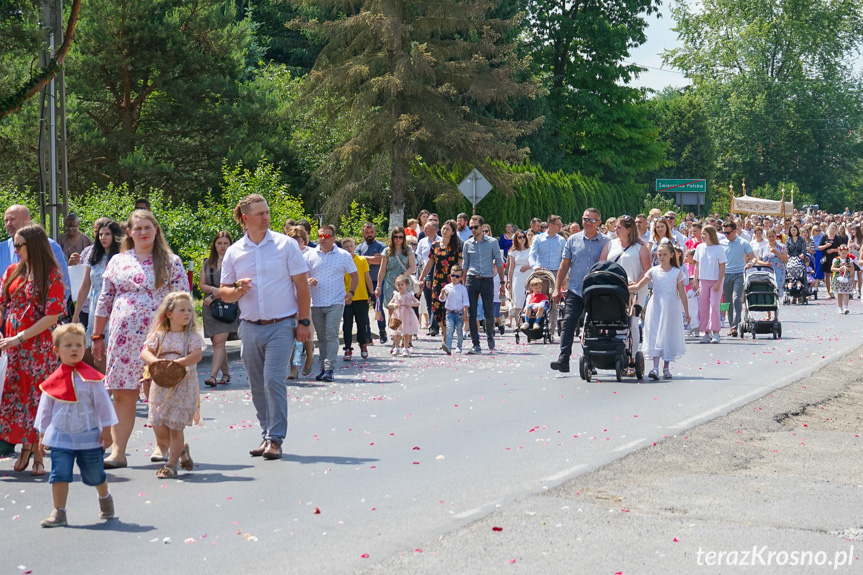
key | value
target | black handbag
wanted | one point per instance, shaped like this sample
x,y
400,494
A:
x,y
222,311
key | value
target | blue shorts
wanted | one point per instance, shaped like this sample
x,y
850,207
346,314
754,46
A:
x,y
90,463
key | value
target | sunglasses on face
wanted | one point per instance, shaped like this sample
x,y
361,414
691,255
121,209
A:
x,y
398,237
474,227
324,236
589,220
19,246
455,275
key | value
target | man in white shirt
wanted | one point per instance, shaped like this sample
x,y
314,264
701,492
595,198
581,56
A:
x,y
266,273
328,265
671,218
430,236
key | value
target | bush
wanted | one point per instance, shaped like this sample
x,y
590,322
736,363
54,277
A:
x,y
351,226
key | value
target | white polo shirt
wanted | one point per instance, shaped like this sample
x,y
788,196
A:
x,y
329,268
271,265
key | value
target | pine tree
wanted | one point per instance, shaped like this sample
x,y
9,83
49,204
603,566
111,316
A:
x,y
422,83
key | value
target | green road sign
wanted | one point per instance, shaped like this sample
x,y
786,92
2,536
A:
x,y
689,185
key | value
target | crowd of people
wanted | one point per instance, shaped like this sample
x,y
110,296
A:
x,y
77,366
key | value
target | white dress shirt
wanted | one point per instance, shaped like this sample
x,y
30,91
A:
x,y
329,268
271,265
455,297
423,250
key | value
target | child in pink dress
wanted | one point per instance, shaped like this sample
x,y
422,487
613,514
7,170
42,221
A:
x,y
401,308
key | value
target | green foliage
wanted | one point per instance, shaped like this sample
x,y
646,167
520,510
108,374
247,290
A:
x,y
663,202
779,88
351,225
566,195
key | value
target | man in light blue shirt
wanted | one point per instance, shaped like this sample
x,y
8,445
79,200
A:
x,y
15,218
738,253
481,260
581,252
546,251
461,227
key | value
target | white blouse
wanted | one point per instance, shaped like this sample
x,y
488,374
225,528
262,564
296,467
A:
x,y
78,425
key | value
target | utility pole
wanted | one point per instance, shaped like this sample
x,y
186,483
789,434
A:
x,y
53,161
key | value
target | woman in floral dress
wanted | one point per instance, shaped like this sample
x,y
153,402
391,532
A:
x,y
445,253
33,300
133,285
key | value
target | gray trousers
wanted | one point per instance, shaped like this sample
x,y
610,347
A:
x,y
732,293
327,321
264,350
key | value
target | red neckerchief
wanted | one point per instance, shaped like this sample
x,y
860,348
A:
x,y
60,385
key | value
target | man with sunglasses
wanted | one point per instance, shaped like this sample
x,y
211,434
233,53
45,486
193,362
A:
x,y
481,261
328,265
15,218
678,236
582,250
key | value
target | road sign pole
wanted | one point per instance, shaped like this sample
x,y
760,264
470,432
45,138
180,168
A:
x,y
473,177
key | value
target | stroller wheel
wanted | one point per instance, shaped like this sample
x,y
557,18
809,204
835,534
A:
x,y
639,365
581,367
618,369
587,372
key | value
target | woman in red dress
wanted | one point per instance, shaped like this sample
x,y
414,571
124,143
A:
x,y
33,300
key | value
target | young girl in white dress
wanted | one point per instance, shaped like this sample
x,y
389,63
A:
x,y
663,325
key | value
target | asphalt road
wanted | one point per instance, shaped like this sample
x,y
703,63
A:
x,y
394,453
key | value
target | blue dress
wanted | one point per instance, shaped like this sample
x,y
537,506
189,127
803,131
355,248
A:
x,y
777,264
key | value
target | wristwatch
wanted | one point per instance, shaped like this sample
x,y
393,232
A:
x,y
304,322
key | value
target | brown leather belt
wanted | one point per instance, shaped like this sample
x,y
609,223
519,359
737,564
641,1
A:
x,y
269,321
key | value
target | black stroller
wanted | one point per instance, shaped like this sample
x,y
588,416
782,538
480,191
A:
x,y
760,293
606,340
796,286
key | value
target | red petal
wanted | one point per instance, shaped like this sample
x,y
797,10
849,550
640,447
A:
x,y
497,528
317,511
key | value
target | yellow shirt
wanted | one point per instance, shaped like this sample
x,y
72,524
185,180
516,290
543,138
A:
x,y
362,269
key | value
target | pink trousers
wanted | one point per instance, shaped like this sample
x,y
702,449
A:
x,y
708,306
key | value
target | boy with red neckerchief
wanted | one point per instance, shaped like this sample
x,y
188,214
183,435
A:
x,y
74,419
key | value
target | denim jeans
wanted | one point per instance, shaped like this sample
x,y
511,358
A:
x,y
90,463
573,308
476,287
454,323
264,352
327,321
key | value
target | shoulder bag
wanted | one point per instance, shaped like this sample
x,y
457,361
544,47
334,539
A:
x,y
222,311
416,286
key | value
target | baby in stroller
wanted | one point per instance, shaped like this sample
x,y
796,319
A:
x,y
535,306
796,286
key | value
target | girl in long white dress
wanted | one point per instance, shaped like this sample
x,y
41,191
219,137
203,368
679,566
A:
x,y
663,325
518,269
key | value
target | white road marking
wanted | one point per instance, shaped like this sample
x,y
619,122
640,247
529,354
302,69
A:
x,y
629,445
741,399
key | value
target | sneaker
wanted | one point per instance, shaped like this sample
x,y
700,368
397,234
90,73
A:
x,y
406,352
106,508
364,351
523,327
474,350
320,376
840,311
327,376
349,355
715,338
446,349
395,350
56,519
847,311
705,338
694,333
653,375
490,343
458,350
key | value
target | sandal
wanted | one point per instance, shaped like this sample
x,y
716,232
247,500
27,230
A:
x,y
210,381
38,468
167,472
666,373
24,458
185,459
226,379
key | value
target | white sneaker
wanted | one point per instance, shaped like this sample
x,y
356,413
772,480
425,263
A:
x,y
406,352
395,351
458,350
705,338
841,311
715,338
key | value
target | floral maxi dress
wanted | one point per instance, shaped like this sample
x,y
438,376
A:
x,y
129,299
444,258
33,361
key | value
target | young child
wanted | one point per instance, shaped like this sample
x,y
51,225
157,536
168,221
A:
x,y
455,299
663,326
174,336
534,305
74,418
843,278
401,307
